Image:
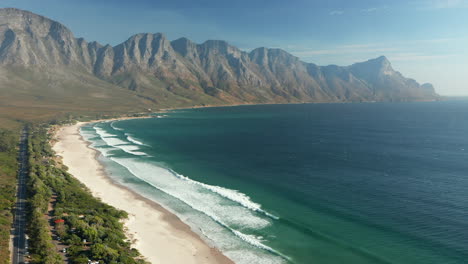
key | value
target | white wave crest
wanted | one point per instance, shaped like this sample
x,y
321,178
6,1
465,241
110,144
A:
x,y
116,128
249,257
256,242
103,133
132,149
233,195
194,195
106,152
113,141
134,140
97,142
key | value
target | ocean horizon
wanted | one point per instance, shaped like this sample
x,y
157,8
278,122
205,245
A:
x,y
306,183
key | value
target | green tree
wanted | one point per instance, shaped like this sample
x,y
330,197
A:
x,y
103,252
91,234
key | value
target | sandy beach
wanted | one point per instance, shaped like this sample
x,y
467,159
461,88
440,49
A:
x,y
160,236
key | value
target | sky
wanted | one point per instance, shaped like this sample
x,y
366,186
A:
x,y
424,39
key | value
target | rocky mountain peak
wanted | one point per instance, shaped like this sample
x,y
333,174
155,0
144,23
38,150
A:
x,y
25,22
146,41
381,62
259,56
373,69
216,44
184,46
219,46
213,71
30,39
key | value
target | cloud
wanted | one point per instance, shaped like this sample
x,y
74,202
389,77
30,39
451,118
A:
x,y
369,10
404,51
374,9
418,57
310,53
369,48
336,12
442,4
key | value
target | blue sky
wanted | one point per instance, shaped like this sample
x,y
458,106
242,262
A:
x,y
424,39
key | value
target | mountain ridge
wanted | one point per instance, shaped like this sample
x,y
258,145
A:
x,y
152,70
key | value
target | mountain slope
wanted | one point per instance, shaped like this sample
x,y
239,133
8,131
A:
x,y
388,84
42,62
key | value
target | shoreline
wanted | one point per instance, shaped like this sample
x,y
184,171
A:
x,y
159,235
163,110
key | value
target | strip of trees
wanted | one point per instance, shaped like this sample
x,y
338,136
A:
x,y
8,169
91,229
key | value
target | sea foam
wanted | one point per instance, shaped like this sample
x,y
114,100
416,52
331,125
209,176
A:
x,y
103,133
224,211
132,149
195,195
96,141
232,195
114,141
257,242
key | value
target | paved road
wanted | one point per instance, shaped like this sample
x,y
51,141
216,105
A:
x,y
19,239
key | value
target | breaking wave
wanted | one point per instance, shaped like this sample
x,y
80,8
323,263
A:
x,y
134,140
232,210
114,141
229,208
115,128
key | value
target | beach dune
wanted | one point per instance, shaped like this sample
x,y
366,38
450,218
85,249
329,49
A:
x,y
159,235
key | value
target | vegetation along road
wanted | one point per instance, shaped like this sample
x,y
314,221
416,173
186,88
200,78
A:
x,y
19,239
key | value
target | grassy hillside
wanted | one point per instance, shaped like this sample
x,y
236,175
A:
x,y
43,95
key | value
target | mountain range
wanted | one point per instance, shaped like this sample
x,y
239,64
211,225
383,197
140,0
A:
x,y
43,64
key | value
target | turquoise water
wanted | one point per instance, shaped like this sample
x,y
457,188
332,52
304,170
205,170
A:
x,y
311,183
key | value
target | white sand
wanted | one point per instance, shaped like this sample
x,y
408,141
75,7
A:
x,y
160,236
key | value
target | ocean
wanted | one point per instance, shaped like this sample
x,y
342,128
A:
x,y
307,183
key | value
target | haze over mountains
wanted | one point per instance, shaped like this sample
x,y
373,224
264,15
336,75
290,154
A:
x,y
42,61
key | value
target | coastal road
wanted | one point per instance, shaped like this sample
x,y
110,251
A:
x,y
19,226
